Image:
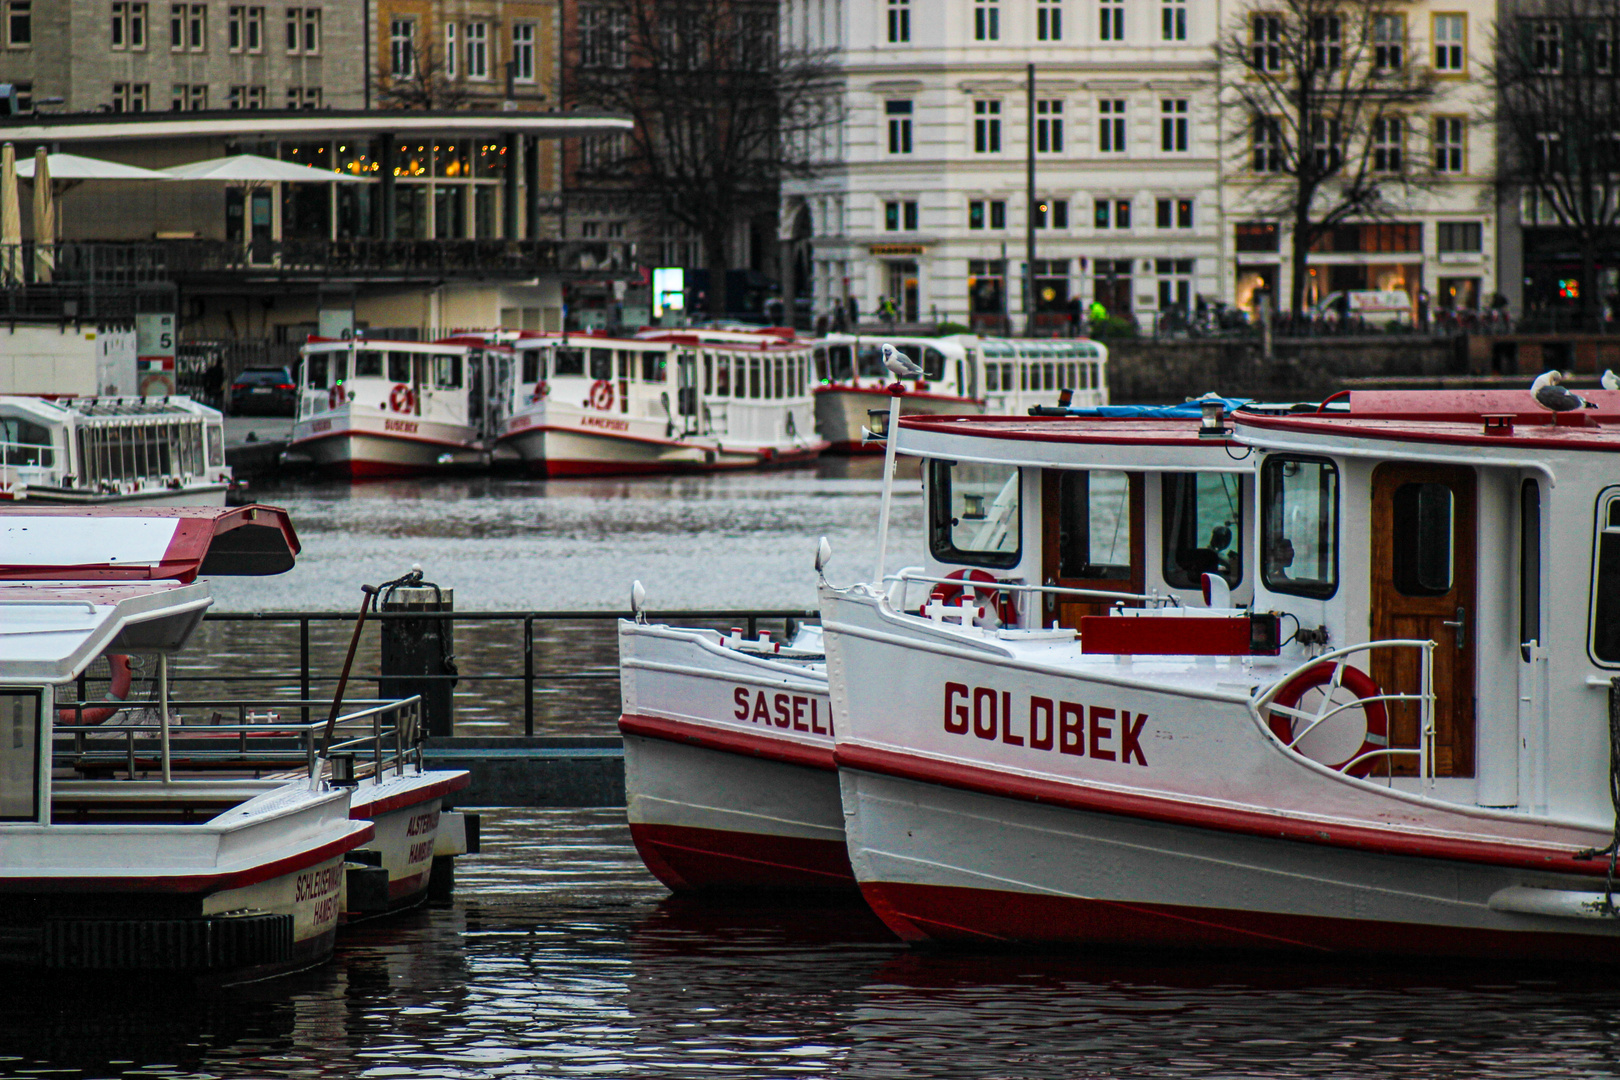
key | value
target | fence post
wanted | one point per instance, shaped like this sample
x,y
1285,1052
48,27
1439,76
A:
x,y
414,655
303,663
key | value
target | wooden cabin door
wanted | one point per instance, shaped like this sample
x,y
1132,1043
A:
x,y
1424,544
1091,539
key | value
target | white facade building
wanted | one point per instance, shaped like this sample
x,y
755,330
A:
x,y
924,202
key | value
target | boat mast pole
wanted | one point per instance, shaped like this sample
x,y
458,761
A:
x,y
163,713
889,437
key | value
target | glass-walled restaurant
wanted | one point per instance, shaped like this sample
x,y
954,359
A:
x,y
444,189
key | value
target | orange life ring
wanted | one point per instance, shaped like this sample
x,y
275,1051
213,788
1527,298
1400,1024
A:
x,y
601,395
1352,679
335,396
402,399
153,378
994,599
122,679
542,389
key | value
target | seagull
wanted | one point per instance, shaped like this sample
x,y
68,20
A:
x,y
1611,381
899,364
1549,395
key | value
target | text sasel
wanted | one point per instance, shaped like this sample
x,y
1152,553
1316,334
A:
x,y
798,712
1069,727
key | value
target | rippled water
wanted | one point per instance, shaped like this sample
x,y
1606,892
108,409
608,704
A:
x,y
560,957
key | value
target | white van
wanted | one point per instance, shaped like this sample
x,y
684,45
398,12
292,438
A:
x,y
1380,306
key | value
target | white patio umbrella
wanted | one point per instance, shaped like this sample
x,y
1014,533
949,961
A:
x,y
73,167
253,169
44,217
10,217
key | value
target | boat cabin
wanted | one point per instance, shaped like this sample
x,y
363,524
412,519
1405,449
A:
x,y
1021,372
444,382
950,364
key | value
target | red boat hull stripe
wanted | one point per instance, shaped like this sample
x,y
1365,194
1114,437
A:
x,y
731,742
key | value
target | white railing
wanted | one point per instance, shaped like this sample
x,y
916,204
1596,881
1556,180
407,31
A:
x,y
906,576
1263,705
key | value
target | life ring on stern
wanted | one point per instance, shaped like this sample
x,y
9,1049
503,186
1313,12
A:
x,y
1355,681
402,398
117,690
601,395
993,599
335,397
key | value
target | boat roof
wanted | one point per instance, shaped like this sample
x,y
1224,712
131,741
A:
x,y
51,631
148,543
54,407
1469,406
1504,435
319,344
1072,442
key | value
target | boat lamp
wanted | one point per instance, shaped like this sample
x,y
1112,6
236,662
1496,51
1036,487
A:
x,y
878,423
1211,424
972,507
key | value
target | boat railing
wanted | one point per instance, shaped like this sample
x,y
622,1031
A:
x,y
906,576
1329,707
386,733
27,455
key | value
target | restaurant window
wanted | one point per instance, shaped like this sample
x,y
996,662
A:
x,y
1094,525
1203,528
974,513
1299,499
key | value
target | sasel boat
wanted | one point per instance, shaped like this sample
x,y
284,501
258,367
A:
x,y
729,770
1406,744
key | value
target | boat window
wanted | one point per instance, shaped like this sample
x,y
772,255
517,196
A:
x,y
1530,561
841,362
722,375
1422,519
627,365
531,366
754,388
399,367
1300,510
216,445
821,365
1203,528
568,362
1094,525
23,442
652,366
1023,376
315,371
19,755
869,362
1606,587
368,364
601,363
708,373
933,364
447,371
973,513
781,377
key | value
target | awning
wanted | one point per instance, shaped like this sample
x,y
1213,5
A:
x,y
312,124
158,543
253,169
75,167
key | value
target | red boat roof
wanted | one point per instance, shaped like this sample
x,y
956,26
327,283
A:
x,y
156,543
1540,430
1471,405
1080,429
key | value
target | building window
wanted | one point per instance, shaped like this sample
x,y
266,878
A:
x,y
987,211
986,20
1173,20
1326,43
899,21
1049,127
1268,144
19,24
451,51
130,97
1053,212
129,25
1048,21
601,37
244,29
1111,214
1450,32
189,97
477,50
1460,237
1174,213
1448,144
1389,42
304,31
1265,42
1173,125
523,52
1389,142
899,114
24,91
1111,20
303,97
245,97
900,215
1111,126
402,48
1175,284
987,127
1327,145
188,27
1546,46
1256,236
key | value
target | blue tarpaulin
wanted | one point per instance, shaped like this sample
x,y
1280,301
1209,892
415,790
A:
x,y
1190,410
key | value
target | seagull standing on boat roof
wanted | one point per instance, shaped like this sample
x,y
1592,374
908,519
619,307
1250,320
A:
x,y
900,365
1550,395
1610,380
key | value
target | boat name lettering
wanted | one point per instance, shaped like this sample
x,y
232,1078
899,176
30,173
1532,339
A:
x,y
519,422
801,712
419,852
405,427
422,824
326,911
317,883
1067,726
604,422
320,425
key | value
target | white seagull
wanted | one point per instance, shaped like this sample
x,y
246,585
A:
x,y
1610,380
899,364
1550,395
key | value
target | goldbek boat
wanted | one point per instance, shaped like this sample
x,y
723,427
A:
x,y
728,741
587,404
1405,744
140,844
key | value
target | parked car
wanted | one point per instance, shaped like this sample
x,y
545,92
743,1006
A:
x,y
265,391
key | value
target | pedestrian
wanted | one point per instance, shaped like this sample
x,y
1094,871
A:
x,y
854,313
214,383
1076,310
1423,309
886,311
838,323
1098,312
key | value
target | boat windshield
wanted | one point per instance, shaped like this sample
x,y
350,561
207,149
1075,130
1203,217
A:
x,y
1300,509
23,442
973,514
1203,528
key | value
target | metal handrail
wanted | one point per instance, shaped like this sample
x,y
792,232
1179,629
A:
x,y
905,576
1262,705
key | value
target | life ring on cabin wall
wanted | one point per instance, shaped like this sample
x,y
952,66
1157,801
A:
x,y
402,398
542,390
1355,681
117,690
994,600
601,395
335,397
151,379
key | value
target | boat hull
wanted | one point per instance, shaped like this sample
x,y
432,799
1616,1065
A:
x,y
405,812
365,455
196,495
841,413
555,452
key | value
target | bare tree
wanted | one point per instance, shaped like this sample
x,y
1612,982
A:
x,y
420,78
722,113
1557,77
1325,88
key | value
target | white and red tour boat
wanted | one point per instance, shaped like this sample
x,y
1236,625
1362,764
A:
x,y
377,408
663,401
1405,744
144,829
